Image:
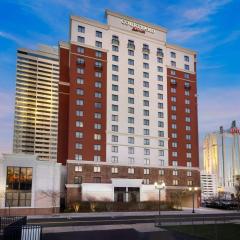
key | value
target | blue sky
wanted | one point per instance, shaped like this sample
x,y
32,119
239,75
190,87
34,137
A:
x,y
211,27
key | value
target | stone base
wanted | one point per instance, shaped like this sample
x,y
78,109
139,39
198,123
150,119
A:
x,y
28,211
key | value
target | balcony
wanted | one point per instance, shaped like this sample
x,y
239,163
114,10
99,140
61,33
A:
x,y
131,46
146,50
115,42
160,54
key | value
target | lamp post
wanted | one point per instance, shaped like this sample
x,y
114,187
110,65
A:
x,y
159,187
193,190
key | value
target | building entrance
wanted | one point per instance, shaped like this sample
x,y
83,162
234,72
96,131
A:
x,y
124,194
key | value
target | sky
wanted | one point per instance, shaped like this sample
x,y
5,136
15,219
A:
x,y
211,27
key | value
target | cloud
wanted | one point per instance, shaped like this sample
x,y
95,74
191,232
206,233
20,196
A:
x,y
202,13
11,37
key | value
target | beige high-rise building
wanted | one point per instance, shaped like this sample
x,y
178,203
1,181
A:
x,y
36,104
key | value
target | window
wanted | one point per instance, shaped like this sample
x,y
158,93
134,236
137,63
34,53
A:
x,y
174,126
80,49
130,52
187,93
160,69
146,141
187,101
98,95
160,78
188,146
173,54
115,118
78,145
97,115
77,180
160,115
175,173
173,72
98,64
146,181
161,133
130,129
173,108
98,84
131,140
98,74
130,110
130,170
115,108
131,160
189,164
145,75
186,75
19,187
130,62
130,100
145,56
160,96
79,134
161,172
160,124
115,149
173,64
146,151
161,143
114,48
173,81
78,157
97,136
146,161
159,60
97,179
188,128
146,84
98,105
115,58
114,87
78,168
161,153
146,171
189,173
115,128
175,163
160,105
130,120
146,132
80,81
114,159
80,60
187,119
145,103
114,138
80,70
160,87
81,29
98,54
145,112
79,124
115,68
173,90
146,65
173,99
161,162
97,126
174,135
96,169
188,155
79,102
79,91
114,170
175,182
98,44
130,81
174,144
130,71
114,97
98,34
97,147
96,158
81,39
174,154
174,117
130,150
187,110
186,67
186,58
189,182
115,77
131,90
79,113
146,122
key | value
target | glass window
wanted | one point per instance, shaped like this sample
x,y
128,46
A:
x,y
98,44
81,29
98,34
114,48
81,39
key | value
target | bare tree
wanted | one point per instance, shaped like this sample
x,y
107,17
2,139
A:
x,y
54,196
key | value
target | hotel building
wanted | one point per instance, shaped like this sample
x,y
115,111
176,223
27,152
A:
x,y
127,111
221,156
36,104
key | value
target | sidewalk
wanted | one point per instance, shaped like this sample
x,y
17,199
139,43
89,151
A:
x,y
119,214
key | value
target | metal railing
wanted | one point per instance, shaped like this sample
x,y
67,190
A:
x,y
8,221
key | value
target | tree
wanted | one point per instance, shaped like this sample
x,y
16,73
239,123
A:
x,y
54,196
237,191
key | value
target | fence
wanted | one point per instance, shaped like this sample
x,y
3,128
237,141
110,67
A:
x,y
15,228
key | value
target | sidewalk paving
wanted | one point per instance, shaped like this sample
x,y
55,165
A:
x,y
140,213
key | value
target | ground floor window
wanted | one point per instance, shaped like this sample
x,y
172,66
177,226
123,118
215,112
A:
x,y
124,194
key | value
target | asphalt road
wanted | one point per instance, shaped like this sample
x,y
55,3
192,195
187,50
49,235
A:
x,y
127,234
88,221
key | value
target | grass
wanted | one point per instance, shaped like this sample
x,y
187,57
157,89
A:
x,y
210,231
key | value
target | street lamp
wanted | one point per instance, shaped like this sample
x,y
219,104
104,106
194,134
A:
x,y
159,187
193,190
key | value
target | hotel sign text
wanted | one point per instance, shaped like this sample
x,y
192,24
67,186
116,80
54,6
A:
x,y
137,27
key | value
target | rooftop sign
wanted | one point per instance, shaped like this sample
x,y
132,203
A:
x,y
137,27
235,130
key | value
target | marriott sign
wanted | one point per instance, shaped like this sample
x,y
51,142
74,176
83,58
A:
x,y
138,26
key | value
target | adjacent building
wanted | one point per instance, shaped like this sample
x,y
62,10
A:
x,y
208,186
127,111
221,156
36,104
